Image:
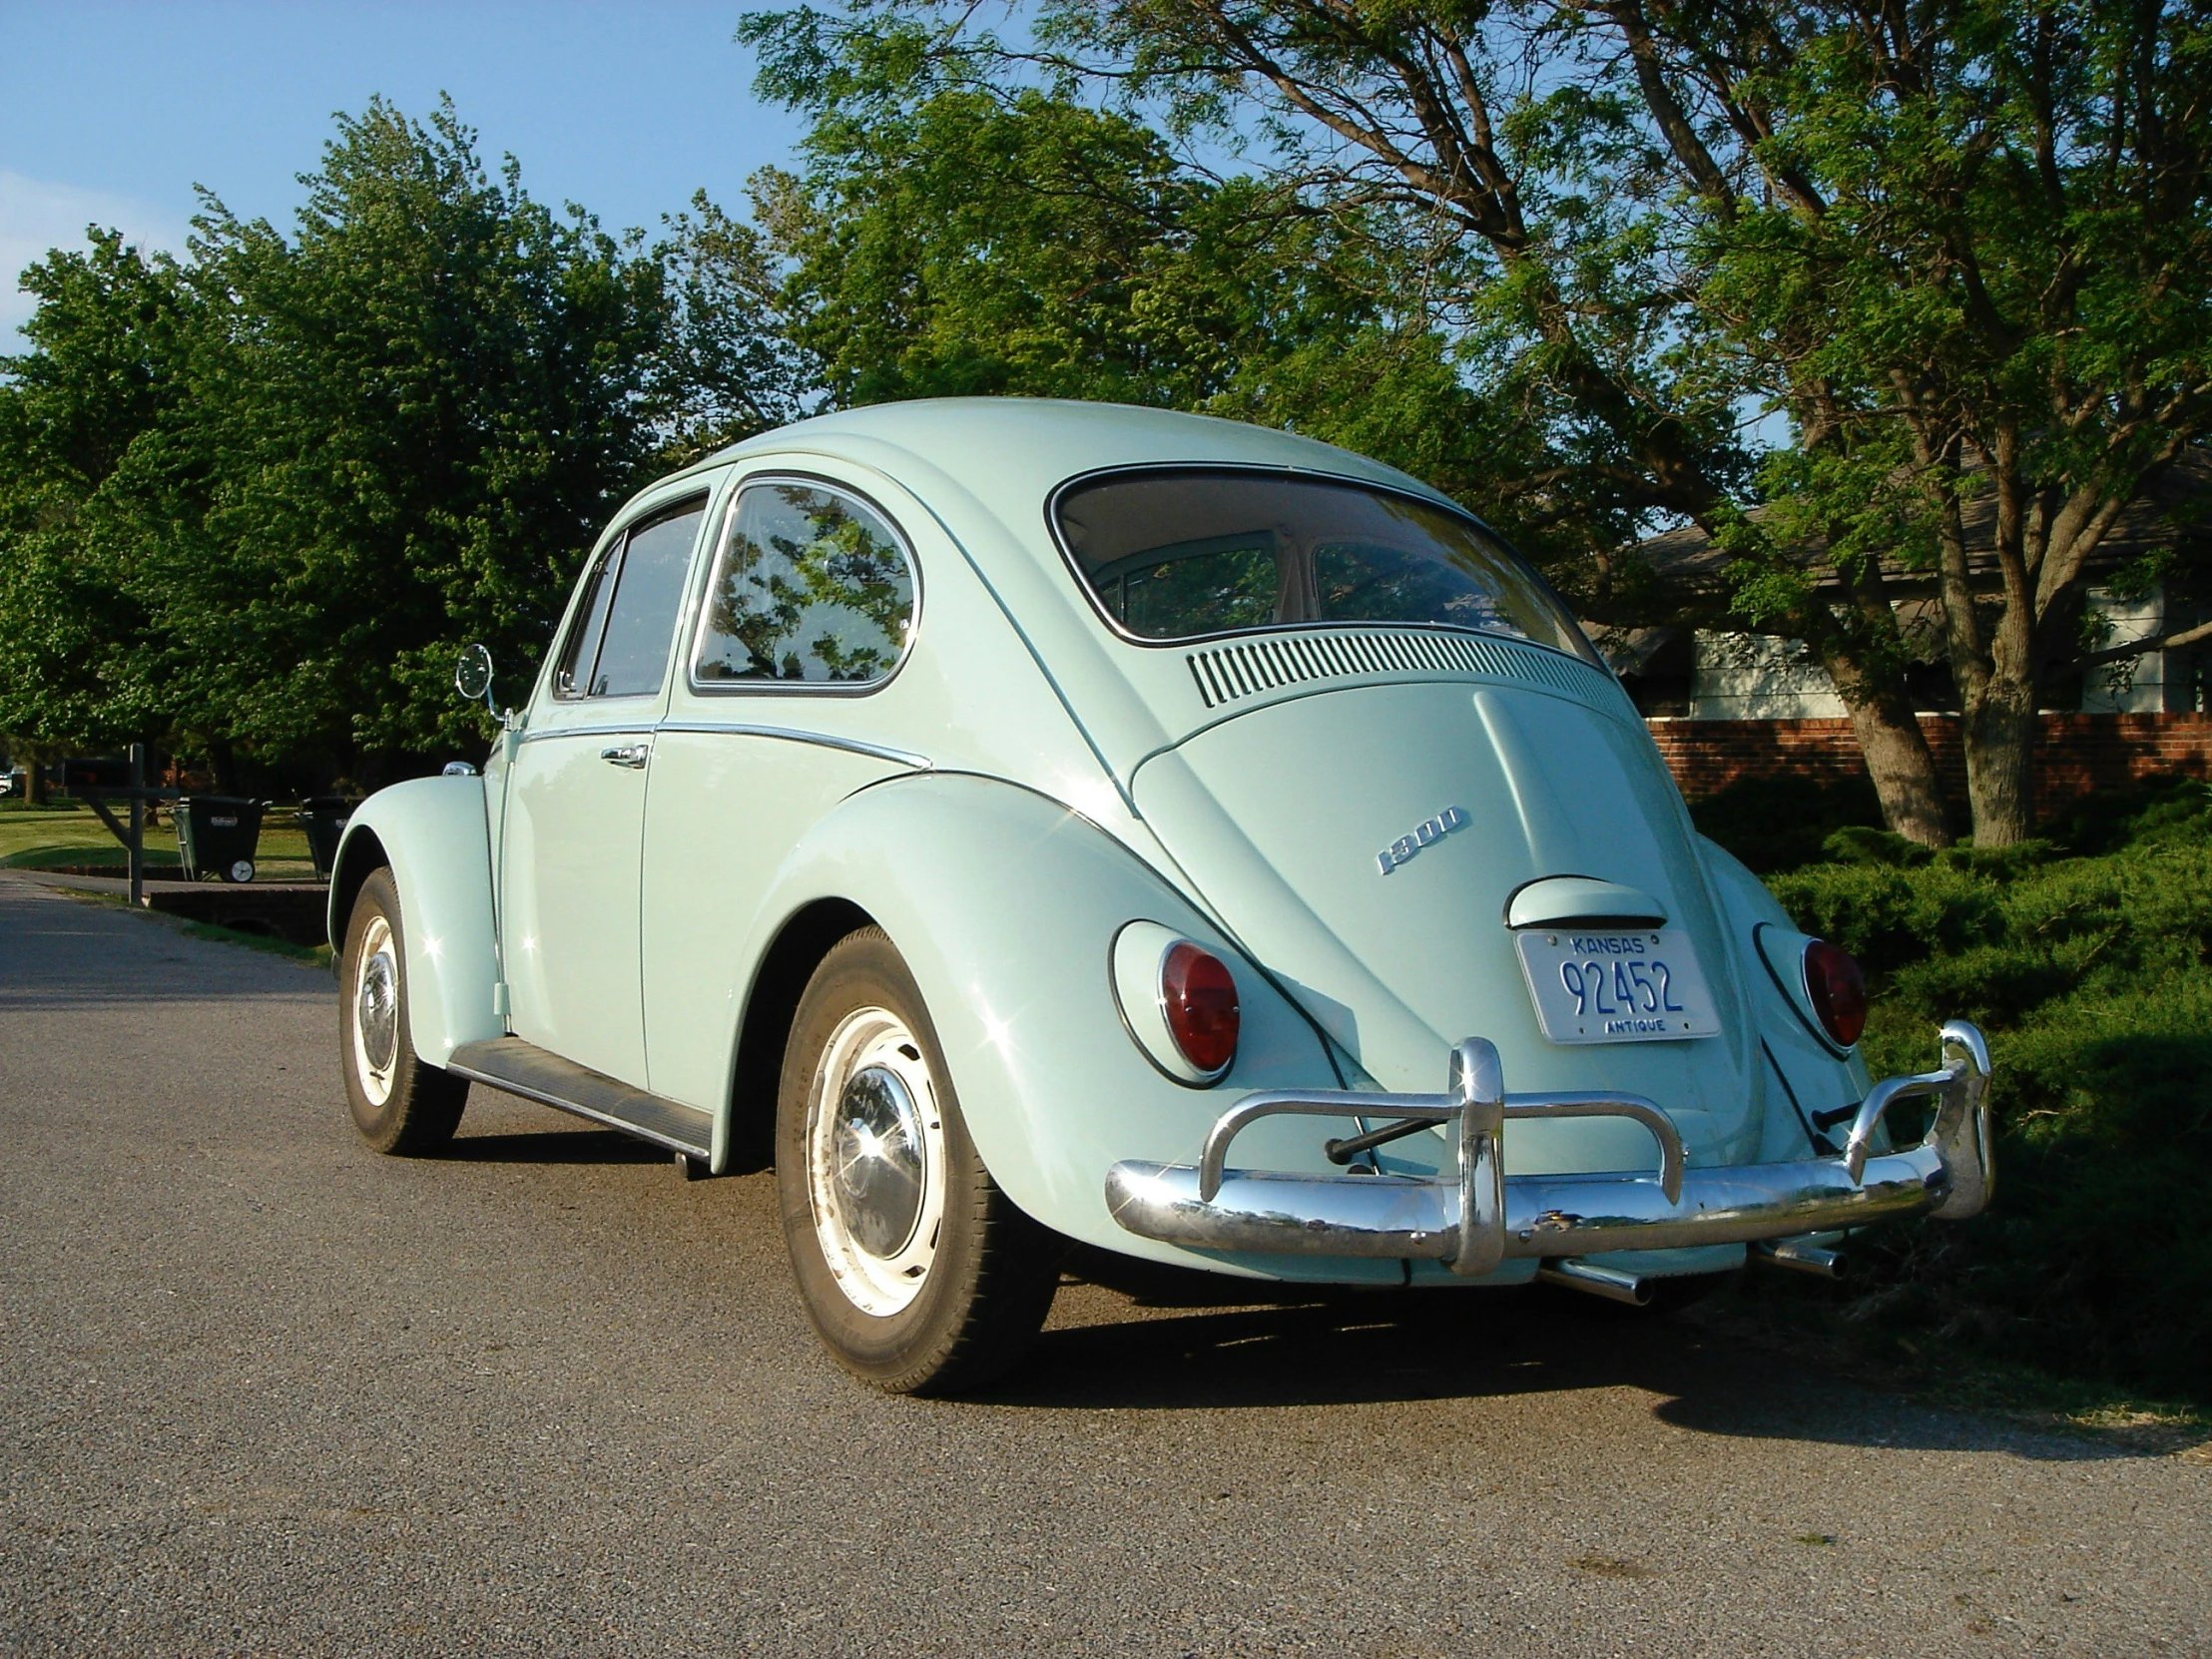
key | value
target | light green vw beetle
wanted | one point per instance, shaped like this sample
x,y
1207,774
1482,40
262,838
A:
x,y
1022,822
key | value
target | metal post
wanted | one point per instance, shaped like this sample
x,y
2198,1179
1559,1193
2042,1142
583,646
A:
x,y
138,823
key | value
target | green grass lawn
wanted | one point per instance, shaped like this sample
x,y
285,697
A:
x,y
67,833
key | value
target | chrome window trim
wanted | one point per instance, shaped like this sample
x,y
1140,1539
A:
x,y
732,729
798,688
788,734
1312,475
619,534
620,728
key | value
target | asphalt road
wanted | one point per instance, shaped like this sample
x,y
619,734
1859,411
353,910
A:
x,y
263,1391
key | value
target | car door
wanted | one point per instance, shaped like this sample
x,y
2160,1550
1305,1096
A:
x,y
808,612
575,818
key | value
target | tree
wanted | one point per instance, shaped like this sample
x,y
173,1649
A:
x,y
416,418
954,233
388,433
1530,211
1966,245
103,369
1961,244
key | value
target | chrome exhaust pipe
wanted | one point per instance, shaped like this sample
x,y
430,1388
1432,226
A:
x,y
1578,1275
1801,1256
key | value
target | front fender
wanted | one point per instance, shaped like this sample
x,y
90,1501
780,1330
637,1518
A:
x,y
433,832
1004,904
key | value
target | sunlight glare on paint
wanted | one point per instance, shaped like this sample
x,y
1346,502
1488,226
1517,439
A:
x,y
1094,797
996,1031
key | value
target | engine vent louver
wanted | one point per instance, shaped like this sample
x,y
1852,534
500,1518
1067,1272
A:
x,y
1246,669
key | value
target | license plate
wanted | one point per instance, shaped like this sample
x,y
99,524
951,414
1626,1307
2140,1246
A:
x,y
1616,985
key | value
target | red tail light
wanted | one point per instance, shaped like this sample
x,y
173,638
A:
x,y
1200,1000
1837,990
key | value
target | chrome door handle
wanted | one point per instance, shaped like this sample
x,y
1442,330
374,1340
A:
x,y
627,755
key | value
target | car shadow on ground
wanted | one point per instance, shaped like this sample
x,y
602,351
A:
x,y
1161,1339
579,1145
1129,1335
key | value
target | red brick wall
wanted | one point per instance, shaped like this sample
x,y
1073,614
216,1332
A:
x,y
2080,753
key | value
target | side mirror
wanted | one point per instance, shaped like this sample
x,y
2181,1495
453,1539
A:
x,y
472,675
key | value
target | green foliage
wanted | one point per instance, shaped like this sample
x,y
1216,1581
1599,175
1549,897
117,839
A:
x,y
1886,915
1858,844
103,367
1965,250
253,503
972,245
2092,975
955,233
2164,809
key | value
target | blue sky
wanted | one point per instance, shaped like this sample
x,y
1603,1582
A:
x,y
113,110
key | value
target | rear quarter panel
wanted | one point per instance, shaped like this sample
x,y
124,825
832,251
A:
x,y
1004,904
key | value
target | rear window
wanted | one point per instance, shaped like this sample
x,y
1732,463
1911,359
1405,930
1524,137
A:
x,y
1180,555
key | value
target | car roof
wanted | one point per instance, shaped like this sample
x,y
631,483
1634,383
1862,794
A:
x,y
985,468
1007,456
1010,453
1047,440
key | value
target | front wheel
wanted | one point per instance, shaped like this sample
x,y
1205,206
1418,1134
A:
x,y
917,1273
399,1104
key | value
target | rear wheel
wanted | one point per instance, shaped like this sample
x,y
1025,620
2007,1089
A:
x,y
917,1273
399,1104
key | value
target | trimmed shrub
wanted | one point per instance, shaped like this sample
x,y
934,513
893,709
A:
x,y
2090,975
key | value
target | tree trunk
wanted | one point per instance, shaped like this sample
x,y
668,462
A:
x,y
1893,747
223,762
1999,730
1996,679
31,757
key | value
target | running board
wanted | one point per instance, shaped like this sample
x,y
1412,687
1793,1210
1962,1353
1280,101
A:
x,y
539,1074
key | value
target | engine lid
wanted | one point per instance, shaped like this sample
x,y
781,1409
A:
x,y
1366,844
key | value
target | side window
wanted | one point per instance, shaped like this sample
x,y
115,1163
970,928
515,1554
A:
x,y
811,586
620,643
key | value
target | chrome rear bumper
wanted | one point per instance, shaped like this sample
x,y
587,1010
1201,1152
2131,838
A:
x,y
1478,1217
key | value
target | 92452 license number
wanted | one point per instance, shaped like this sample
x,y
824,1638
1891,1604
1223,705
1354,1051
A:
x,y
1616,985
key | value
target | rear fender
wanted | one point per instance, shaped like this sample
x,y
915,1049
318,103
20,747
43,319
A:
x,y
1005,906
432,834
1805,1077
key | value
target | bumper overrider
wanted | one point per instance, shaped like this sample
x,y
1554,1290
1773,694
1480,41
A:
x,y
1478,1217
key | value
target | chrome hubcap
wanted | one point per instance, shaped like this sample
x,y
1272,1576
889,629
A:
x,y
876,1161
877,1149
377,1011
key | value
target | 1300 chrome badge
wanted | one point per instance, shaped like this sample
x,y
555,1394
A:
x,y
1436,829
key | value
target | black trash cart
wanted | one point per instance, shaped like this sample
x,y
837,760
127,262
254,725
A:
x,y
323,819
216,834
